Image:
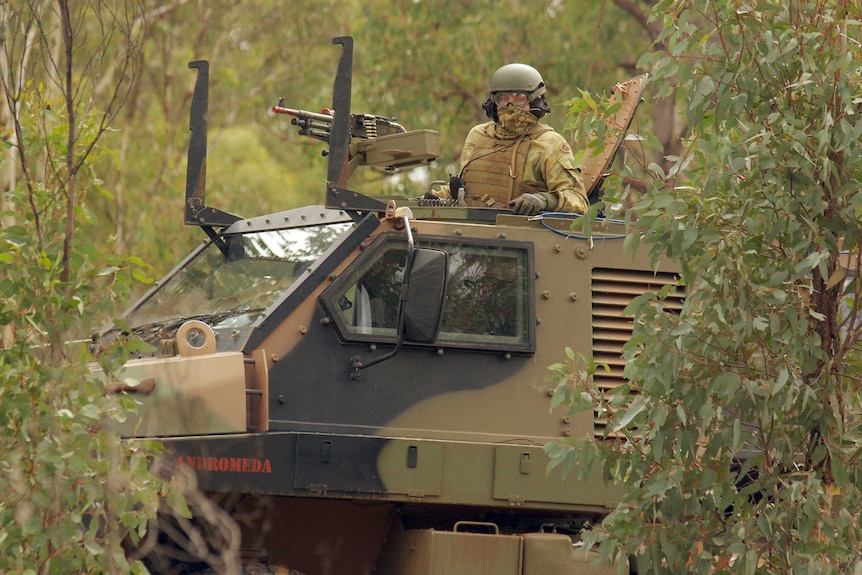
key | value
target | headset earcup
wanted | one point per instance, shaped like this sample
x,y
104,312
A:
x,y
490,109
540,106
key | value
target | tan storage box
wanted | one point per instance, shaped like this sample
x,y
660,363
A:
x,y
546,553
430,552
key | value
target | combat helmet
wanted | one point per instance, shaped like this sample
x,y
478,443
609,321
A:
x,y
517,78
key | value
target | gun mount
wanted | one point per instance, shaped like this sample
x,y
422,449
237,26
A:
x,y
375,141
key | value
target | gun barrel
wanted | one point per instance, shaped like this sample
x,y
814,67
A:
x,y
316,125
302,114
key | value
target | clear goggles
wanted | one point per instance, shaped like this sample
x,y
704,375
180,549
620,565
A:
x,y
517,99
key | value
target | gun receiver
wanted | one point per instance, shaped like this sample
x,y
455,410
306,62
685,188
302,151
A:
x,y
374,140
319,125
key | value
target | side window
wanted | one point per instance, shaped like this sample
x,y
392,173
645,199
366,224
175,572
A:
x,y
488,298
486,295
369,303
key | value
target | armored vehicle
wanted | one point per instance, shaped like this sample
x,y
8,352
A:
x,y
363,386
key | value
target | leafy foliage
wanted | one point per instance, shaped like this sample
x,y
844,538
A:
x,y
741,421
72,494
70,491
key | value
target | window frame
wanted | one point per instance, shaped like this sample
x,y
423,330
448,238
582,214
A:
x,y
471,341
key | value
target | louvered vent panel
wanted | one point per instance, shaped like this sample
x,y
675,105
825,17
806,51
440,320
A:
x,y
612,291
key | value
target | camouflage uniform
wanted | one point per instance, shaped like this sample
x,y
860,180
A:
x,y
513,161
497,167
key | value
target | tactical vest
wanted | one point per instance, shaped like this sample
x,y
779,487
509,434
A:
x,y
495,173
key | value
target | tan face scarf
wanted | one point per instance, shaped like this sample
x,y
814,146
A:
x,y
512,122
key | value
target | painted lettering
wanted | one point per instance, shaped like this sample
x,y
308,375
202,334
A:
x,y
226,464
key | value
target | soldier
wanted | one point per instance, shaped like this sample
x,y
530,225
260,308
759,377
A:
x,y
513,160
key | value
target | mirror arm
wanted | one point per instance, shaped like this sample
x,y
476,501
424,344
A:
x,y
356,363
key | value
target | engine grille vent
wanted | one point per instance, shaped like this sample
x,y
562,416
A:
x,y
612,291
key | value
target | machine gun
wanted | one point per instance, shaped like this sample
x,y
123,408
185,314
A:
x,y
319,125
375,141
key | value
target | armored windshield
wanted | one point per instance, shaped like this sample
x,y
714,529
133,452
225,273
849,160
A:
x,y
229,285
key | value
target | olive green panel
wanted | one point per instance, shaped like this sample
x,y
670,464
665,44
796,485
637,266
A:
x,y
468,473
197,395
503,476
411,467
450,472
520,477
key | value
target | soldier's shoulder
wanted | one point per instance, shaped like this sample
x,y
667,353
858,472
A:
x,y
486,128
548,133
479,132
553,140
481,129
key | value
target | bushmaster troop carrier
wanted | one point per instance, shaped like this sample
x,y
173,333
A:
x,y
363,385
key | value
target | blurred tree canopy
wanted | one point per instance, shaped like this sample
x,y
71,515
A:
x,y
427,63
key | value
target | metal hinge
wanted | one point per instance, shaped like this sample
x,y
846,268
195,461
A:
x,y
517,500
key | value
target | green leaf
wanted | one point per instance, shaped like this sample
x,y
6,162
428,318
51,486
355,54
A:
x,y
839,471
93,547
628,416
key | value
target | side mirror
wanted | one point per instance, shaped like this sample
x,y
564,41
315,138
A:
x,y
423,310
